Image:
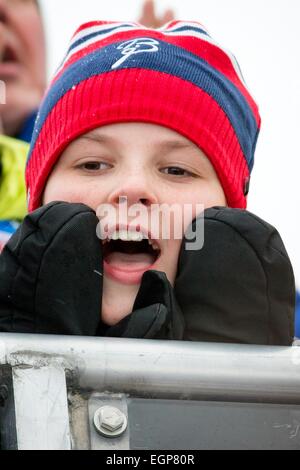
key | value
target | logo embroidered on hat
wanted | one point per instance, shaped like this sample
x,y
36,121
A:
x,y
135,46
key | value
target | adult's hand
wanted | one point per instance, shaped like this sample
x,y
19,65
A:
x,y
149,17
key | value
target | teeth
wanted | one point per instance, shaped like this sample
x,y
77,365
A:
x,y
130,237
127,236
114,236
155,246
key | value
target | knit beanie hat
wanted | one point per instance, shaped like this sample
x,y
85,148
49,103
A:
x,y
176,76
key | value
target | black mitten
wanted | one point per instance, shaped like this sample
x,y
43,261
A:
x,y
156,314
51,273
239,287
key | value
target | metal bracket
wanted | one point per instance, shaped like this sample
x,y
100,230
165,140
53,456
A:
x,y
41,405
108,438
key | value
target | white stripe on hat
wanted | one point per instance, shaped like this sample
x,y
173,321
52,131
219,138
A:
x,y
170,26
91,41
98,28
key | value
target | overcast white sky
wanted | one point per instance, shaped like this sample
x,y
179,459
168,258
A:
x,y
264,35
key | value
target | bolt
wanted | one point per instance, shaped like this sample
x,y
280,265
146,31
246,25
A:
x,y
110,421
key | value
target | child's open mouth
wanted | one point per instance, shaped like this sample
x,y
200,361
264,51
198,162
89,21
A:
x,y
127,255
9,63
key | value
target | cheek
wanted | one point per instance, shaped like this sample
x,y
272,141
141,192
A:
x,y
192,200
170,261
204,193
175,246
55,190
215,197
68,189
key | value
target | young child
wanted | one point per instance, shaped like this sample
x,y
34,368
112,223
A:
x,y
149,117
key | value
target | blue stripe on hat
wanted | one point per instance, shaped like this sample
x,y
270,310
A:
x,y
113,30
186,28
169,59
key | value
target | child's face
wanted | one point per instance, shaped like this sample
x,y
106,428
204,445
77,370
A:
x,y
148,164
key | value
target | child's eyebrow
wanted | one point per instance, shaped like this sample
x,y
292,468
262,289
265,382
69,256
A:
x,y
99,138
169,145
161,145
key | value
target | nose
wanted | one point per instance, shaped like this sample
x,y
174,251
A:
x,y
134,189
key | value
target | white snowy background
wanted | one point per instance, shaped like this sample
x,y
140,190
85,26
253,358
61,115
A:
x,y
264,35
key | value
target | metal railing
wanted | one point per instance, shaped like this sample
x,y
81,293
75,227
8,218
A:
x,y
45,369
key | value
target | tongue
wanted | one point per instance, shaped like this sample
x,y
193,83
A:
x,y
133,261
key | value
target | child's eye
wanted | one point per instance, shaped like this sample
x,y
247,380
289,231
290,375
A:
x,y
94,166
176,171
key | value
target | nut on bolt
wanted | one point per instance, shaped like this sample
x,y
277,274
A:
x,y
110,421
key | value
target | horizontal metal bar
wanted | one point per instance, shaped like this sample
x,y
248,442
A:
x,y
164,369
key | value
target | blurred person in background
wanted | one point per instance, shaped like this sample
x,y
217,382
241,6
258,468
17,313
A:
x,y
23,71
23,65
